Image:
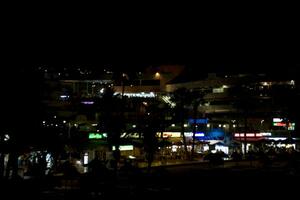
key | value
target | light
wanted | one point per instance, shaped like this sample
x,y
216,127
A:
x,y
75,125
292,82
137,94
266,134
279,124
86,159
78,162
56,125
131,157
224,126
148,113
173,125
188,134
123,148
236,135
277,119
54,117
64,96
94,124
258,135
6,137
185,125
64,121
44,122
87,102
199,134
102,91
234,125
208,125
277,138
95,136
133,126
157,75
220,125
225,86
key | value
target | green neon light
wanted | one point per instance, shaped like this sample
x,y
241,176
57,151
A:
x,y
97,135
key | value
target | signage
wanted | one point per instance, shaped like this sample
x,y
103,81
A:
x,y
198,121
124,148
97,135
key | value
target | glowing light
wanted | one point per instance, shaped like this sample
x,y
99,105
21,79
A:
x,y
94,124
234,125
277,138
86,159
224,126
277,119
185,125
138,94
173,125
96,135
199,134
124,148
133,126
157,75
220,125
102,91
250,134
6,137
44,122
279,124
131,157
87,102
208,125
266,134
64,121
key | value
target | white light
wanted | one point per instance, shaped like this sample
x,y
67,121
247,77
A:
x,y
44,122
102,91
173,125
64,121
124,148
131,157
78,162
250,134
75,125
133,126
225,86
277,119
54,116
94,124
220,125
224,126
236,135
188,134
56,125
277,138
185,125
6,137
258,135
266,134
86,159
148,113
208,125
234,125
199,134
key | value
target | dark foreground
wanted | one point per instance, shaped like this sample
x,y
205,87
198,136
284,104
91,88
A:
x,y
169,182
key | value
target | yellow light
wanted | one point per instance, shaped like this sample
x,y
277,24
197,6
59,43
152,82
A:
x,y
157,75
